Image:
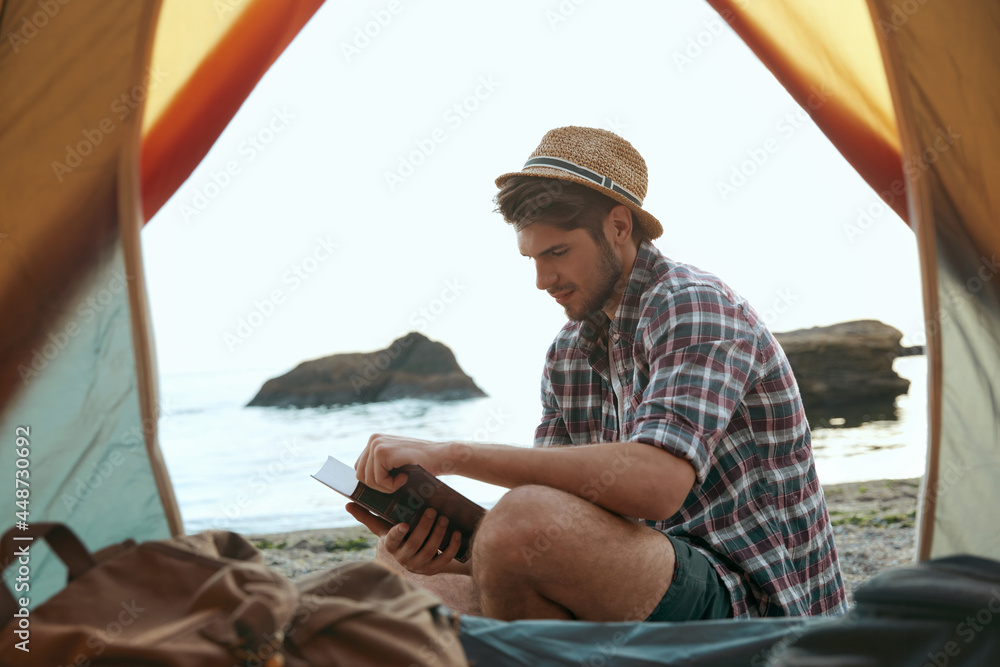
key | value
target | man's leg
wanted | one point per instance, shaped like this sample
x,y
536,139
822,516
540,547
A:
x,y
457,591
544,553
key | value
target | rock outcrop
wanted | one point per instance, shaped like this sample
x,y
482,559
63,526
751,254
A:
x,y
412,367
845,366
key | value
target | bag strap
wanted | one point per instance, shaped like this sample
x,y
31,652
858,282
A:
x,y
63,542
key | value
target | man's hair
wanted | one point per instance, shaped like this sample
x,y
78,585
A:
x,y
525,200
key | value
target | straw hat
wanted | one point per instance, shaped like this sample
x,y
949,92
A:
x,y
598,159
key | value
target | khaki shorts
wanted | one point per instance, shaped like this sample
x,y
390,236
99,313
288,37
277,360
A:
x,y
696,592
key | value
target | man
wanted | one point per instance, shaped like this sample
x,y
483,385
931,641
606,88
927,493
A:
x,y
664,398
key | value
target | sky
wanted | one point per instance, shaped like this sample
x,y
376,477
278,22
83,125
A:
x,y
350,200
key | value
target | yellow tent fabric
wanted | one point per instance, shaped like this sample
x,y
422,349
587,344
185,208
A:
x,y
827,56
212,54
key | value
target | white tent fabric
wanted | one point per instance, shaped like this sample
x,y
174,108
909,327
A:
x,y
944,64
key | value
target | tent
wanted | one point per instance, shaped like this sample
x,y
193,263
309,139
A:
x,y
109,106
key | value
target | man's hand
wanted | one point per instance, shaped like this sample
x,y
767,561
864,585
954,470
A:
x,y
418,551
385,453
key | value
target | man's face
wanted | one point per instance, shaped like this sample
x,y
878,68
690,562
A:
x,y
579,273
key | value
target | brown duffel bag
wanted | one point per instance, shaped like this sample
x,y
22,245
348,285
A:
x,y
208,599
363,614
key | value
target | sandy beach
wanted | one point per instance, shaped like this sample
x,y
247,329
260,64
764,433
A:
x,y
873,525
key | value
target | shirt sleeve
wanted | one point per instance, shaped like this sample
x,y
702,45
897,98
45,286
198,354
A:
x,y
552,430
701,355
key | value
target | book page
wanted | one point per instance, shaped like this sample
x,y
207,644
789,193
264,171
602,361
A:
x,y
338,476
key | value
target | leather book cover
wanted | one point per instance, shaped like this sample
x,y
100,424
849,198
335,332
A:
x,y
406,504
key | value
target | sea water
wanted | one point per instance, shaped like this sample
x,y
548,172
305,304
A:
x,y
248,469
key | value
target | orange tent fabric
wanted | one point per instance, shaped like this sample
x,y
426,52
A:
x,y
226,48
827,57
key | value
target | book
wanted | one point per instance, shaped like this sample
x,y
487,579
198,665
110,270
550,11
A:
x,y
406,504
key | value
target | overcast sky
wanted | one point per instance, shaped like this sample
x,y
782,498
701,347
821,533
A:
x,y
350,199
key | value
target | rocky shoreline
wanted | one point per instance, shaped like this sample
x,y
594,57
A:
x,y
873,524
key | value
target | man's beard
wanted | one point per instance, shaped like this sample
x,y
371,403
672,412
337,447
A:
x,y
607,275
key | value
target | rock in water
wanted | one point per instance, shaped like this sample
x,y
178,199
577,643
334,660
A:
x,y
412,367
846,364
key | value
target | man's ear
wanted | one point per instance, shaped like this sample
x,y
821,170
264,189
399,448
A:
x,y
618,224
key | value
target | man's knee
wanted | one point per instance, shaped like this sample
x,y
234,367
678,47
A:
x,y
523,525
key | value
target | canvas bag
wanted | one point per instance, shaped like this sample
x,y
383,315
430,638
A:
x,y
207,599
363,614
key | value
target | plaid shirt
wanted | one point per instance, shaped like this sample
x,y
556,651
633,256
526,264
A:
x,y
698,374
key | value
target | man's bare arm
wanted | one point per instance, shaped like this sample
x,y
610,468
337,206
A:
x,y
629,478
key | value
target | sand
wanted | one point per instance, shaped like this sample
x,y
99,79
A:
x,y
873,525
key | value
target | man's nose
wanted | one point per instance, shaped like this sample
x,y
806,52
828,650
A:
x,y
545,277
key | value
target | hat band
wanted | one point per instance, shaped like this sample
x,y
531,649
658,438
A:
x,y
573,168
